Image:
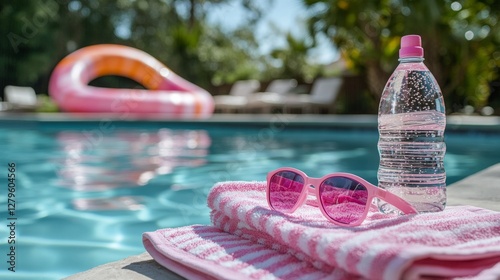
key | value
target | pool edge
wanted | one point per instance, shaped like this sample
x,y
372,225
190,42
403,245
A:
x,y
32,120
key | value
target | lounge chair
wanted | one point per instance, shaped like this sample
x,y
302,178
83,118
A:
x,y
3,105
237,97
20,98
323,94
281,86
244,102
276,90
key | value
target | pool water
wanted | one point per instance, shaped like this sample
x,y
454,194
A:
x,y
84,196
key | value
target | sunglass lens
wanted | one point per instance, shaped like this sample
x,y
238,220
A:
x,y
285,188
344,200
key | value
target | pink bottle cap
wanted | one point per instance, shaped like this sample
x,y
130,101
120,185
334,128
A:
x,y
411,46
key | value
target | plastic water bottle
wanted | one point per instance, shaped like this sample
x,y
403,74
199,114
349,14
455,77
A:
x,y
411,123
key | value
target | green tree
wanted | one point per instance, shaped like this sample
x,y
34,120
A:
x,y
460,38
292,60
180,36
25,27
230,55
41,32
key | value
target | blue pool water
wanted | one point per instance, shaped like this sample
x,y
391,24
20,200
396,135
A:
x,y
85,195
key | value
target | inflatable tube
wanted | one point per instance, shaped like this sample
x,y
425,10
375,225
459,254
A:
x,y
167,93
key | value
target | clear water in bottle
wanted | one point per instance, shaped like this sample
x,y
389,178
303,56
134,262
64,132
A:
x,y
411,166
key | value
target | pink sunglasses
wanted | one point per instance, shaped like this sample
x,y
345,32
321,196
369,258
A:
x,y
344,199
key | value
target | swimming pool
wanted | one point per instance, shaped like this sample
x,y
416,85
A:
x,y
86,191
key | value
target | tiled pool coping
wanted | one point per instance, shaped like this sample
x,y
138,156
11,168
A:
x,y
480,189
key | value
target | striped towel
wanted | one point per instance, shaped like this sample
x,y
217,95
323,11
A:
x,y
249,241
206,252
460,241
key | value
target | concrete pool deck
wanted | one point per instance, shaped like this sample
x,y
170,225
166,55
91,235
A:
x,y
481,189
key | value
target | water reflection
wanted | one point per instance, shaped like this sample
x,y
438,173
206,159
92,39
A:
x,y
114,203
125,160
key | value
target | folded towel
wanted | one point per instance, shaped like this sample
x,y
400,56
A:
x,y
206,252
460,241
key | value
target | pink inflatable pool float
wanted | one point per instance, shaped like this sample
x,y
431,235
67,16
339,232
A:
x,y
166,93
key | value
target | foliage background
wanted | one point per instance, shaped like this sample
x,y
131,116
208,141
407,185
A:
x,y
461,39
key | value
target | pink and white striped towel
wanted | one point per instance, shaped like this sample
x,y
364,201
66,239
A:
x,y
461,241
206,252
